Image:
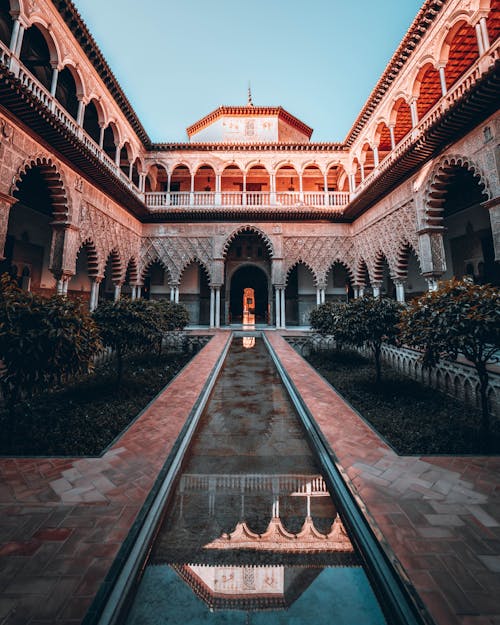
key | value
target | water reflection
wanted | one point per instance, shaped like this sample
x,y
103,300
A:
x,y
251,526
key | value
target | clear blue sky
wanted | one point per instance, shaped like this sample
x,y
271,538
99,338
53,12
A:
x,y
177,60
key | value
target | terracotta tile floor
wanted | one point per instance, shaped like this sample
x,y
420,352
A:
x,y
439,515
62,521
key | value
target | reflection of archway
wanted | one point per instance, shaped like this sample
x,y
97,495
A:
x,y
249,277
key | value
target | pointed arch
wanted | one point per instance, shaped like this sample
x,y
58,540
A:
x,y
437,186
156,259
248,229
113,261
55,183
92,257
405,250
195,260
298,262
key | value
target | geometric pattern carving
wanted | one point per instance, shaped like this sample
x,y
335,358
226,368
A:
x,y
108,236
175,254
318,254
386,238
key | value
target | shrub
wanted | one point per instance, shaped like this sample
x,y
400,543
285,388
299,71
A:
x,y
459,318
42,341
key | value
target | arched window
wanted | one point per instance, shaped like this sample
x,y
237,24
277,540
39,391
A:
x,y
36,56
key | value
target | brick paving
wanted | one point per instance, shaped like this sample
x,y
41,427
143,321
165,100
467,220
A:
x,y
63,520
440,516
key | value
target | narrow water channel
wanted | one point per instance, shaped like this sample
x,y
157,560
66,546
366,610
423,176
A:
x,y
251,534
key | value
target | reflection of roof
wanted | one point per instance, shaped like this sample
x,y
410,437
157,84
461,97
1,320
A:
x,y
276,538
250,111
247,587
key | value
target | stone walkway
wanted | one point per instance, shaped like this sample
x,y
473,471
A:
x,y
62,521
440,516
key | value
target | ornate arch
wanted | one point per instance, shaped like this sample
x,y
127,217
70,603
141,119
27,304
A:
x,y
378,266
200,263
56,185
116,265
436,189
92,257
151,261
298,262
248,228
362,270
403,258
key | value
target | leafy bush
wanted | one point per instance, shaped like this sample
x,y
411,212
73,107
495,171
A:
x,y
459,318
42,341
365,321
326,317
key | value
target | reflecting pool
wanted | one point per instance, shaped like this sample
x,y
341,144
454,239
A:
x,y
251,534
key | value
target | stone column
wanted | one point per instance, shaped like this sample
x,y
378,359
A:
x,y
176,294
414,112
325,187
318,296
400,291
479,38
484,30
244,189
101,135
362,169
432,283
283,311
278,308
81,112
217,307
272,188
133,294
322,295
218,197
432,253
393,140
19,40
117,155
375,156
117,292
62,284
191,191
15,34
138,291
6,202
53,84
376,289
212,307
94,292
442,79
301,187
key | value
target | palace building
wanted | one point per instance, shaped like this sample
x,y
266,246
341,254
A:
x,y
249,220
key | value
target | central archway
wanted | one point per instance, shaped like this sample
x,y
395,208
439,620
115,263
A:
x,y
254,278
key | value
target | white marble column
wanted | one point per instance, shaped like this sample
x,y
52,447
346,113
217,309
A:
x,y
278,308
19,40
283,311
393,140
479,38
322,295
176,295
117,292
432,283
94,293
484,30
217,307
212,307
53,84
414,112
442,79
133,294
172,294
376,290
14,36
318,296
400,291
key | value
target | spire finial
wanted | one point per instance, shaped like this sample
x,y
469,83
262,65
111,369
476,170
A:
x,y
249,103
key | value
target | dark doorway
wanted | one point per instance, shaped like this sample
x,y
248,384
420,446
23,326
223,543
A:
x,y
249,277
